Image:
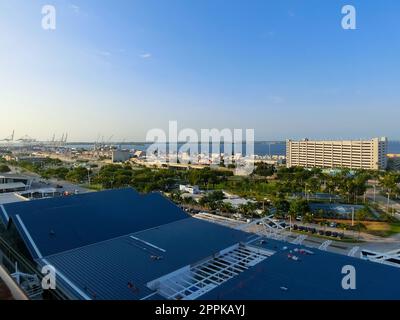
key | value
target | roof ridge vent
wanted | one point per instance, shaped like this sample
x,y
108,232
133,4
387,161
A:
x,y
193,281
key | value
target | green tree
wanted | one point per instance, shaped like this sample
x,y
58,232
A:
x,y
282,206
77,175
362,214
4,168
264,169
299,207
308,218
215,196
389,182
226,207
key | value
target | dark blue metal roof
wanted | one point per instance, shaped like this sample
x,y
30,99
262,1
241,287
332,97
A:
x,y
103,270
55,225
43,204
316,277
103,247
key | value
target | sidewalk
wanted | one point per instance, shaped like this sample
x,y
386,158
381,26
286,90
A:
x,y
382,202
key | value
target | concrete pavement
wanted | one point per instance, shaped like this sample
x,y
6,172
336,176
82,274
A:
x,y
39,182
383,202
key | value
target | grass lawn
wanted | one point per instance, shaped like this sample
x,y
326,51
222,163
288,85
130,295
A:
x,y
376,228
346,239
395,227
96,187
382,229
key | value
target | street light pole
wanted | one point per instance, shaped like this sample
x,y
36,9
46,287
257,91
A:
x,y
374,193
305,190
88,170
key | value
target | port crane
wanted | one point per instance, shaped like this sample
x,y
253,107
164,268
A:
x,y
26,139
9,138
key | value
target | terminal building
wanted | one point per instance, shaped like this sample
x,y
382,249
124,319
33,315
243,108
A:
x,y
14,178
121,245
13,183
394,161
352,154
120,156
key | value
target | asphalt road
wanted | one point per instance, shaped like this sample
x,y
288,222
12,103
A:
x,y
39,182
383,201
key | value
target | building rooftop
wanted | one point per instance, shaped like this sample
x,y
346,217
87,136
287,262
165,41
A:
x,y
10,198
12,185
314,276
126,267
15,176
39,190
383,139
54,225
105,270
122,245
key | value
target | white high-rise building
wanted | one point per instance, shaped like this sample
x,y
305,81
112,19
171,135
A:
x,y
352,154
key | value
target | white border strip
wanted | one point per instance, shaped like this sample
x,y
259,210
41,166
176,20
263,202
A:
x,y
5,213
58,273
29,236
149,244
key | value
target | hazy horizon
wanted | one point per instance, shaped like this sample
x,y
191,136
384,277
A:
x,y
132,142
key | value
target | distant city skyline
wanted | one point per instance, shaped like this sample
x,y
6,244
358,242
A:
x,y
286,69
17,137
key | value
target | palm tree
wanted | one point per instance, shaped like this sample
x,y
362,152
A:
x,y
226,207
293,212
389,182
282,206
308,218
361,215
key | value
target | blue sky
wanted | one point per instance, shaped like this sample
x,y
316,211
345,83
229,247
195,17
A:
x,y
284,68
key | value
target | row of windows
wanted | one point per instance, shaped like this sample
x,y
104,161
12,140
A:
x,y
328,156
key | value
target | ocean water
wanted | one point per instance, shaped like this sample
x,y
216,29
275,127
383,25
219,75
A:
x,y
394,147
